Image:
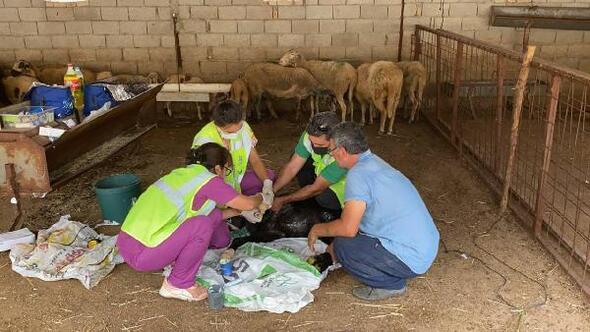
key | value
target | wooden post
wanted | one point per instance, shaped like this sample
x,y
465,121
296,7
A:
x,y
417,45
438,82
13,184
401,32
516,110
501,71
552,99
456,88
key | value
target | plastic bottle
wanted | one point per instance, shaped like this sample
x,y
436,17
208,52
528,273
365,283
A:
x,y
72,81
80,75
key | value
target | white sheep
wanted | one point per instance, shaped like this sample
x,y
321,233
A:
x,y
339,77
362,93
280,82
385,83
16,87
415,76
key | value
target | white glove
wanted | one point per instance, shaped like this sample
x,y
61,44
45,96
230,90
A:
x,y
268,195
254,216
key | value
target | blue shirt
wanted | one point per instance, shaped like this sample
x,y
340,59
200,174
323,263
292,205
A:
x,y
395,213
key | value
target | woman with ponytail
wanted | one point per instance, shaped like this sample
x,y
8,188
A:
x,y
179,217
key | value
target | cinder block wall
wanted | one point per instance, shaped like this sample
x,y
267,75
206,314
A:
x,y
219,38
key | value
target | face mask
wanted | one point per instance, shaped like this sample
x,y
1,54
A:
x,y
228,136
319,150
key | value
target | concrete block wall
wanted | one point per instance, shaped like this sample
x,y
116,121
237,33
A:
x,y
218,38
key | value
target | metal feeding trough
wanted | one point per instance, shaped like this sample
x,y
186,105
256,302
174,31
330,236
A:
x,y
40,165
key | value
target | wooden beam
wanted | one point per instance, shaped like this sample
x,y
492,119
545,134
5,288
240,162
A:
x,y
195,87
552,99
516,111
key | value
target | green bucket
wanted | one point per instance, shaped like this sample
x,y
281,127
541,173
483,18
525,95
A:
x,y
116,194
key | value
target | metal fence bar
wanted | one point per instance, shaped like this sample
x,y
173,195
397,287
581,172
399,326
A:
x,y
501,71
456,86
438,81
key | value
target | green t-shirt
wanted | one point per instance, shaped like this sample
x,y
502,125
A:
x,y
332,173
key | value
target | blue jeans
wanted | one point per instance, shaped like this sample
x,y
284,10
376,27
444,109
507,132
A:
x,y
365,259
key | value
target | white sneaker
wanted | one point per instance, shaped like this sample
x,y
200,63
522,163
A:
x,y
192,294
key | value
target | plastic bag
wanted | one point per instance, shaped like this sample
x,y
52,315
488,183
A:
x,y
63,252
267,277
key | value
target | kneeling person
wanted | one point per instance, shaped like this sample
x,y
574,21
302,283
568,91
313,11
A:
x,y
318,174
386,234
176,220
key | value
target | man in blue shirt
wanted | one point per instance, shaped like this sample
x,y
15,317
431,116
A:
x,y
386,234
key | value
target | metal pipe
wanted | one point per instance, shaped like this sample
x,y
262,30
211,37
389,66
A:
x,y
456,86
401,32
179,69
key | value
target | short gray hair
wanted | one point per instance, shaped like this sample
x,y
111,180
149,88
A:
x,y
351,137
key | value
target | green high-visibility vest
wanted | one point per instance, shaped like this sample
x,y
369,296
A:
x,y
239,148
166,204
321,162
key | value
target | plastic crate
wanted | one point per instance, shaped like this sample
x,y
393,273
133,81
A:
x,y
27,117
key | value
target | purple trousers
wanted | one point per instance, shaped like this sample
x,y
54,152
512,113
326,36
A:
x,y
251,184
185,248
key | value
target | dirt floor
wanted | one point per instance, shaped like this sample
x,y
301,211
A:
x,y
490,274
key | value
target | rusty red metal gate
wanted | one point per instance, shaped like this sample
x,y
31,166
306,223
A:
x,y
469,99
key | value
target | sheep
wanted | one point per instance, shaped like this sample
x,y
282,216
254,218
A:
x,y
385,83
16,87
55,75
339,77
103,75
151,78
48,75
414,83
182,78
239,94
362,94
280,82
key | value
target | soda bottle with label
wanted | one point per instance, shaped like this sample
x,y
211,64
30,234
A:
x,y
80,101
72,81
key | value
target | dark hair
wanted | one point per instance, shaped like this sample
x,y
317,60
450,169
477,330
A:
x,y
208,155
322,124
351,137
226,112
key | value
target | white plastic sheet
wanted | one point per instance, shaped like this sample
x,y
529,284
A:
x,y
61,252
267,277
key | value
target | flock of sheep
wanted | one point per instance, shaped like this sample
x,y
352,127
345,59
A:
x,y
379,85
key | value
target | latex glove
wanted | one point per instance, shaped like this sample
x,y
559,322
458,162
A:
x,y
253,216
268,195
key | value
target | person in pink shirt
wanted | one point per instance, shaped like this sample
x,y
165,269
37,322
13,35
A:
x,y
156,234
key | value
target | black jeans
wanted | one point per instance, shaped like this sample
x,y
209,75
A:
x,y
326,199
